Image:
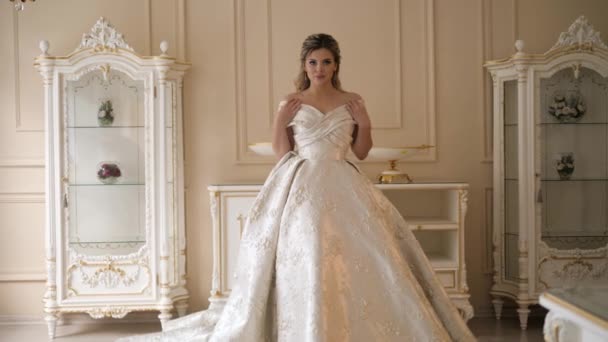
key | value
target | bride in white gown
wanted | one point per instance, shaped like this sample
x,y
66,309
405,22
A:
x,y
324,255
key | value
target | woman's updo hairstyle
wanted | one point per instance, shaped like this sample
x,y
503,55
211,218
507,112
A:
x,y
315,42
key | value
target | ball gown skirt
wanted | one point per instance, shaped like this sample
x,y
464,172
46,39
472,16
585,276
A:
x,y
325,256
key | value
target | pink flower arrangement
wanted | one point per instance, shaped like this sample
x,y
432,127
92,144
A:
x,y
108,173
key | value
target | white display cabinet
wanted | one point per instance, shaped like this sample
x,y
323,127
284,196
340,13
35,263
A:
x,y
115,236
550,168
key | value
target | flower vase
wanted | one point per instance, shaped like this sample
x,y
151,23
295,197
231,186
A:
x,y
568,107
105,118
565,165
105,114
108,173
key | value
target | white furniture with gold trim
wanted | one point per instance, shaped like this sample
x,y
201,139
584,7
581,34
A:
x,y
550,168
435,213
115,237
576,314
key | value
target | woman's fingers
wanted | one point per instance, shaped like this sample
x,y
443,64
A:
x,y
353,106
292,107
295,105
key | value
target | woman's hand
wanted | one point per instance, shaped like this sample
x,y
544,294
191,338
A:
x,y
287,112
362,137
357,110
282,136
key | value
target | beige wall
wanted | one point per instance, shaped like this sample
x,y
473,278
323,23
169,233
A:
x,y
416,62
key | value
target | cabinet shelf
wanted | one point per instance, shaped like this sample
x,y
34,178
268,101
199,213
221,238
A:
x,y
439,260
440,246
107,242
104,127
107,185
431,223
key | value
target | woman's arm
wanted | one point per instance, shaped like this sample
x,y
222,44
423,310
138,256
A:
x,y
282,136
362,137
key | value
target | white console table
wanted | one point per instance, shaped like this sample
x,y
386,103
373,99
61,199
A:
x,y
578,314
435,212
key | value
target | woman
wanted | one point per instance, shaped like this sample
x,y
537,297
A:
x,y
324,255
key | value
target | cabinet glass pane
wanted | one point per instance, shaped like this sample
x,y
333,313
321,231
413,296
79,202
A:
x,y
88,105
90,148
511,182
105,171
573,130
106,219
585,144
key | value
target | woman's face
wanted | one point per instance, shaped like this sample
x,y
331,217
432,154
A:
x,y
320,66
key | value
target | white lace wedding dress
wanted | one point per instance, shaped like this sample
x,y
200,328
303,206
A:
x,y
325,257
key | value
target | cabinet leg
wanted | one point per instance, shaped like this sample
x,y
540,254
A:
x,y
164,317
51,323
181,307
498,302
523,312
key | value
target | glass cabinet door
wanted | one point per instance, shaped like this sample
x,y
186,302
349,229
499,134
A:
x,y
104,180
511,181
573,128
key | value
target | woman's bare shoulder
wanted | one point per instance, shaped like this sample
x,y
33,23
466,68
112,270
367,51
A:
x,y
350,96
288,98
295,95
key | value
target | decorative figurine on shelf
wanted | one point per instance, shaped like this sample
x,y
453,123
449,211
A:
x,y
567,108
105,115
108,173
565,165
393,155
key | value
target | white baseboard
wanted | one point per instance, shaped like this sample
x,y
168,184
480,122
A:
x,y
22,162
21,320
80,318
14,277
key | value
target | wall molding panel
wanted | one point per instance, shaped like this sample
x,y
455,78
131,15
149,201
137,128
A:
x,y
486,54
20,127
22,197
21,163
180,30
13,277
148,42
431,101
241,91
251,109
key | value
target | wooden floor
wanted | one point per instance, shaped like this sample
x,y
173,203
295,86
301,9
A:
x,y
507,329
486,330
